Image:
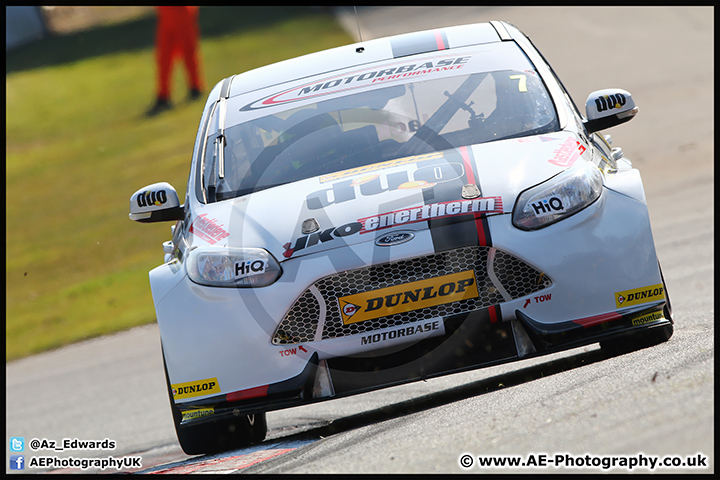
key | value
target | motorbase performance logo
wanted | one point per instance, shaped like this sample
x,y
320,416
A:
x,y
361,78
416,331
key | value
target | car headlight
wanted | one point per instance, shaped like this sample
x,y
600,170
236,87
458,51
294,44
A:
x,y
232,267
558,198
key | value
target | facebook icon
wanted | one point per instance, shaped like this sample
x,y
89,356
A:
x,y
17,462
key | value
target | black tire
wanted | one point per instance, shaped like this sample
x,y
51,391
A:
x,y
221,436
667,309
216,436
636,341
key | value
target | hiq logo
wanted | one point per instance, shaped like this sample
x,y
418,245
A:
x,y
251,267
17,444
17,462
547,206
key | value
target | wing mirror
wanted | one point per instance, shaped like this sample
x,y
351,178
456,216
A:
x,y
156,203
607,108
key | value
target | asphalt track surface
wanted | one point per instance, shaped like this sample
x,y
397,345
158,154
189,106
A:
x,y
654,402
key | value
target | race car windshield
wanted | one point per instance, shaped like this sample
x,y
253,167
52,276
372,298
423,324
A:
x,y
379,125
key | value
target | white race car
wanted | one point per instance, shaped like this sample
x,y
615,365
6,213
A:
x,y
390,211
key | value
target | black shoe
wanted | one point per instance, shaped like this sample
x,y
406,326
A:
x,y
160,106
194,94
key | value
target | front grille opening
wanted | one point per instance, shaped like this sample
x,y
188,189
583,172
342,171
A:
x,y
308,320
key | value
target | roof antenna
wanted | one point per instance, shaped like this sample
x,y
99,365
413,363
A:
x,y
358,23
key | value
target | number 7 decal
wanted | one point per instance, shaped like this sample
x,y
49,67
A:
x,y
522,82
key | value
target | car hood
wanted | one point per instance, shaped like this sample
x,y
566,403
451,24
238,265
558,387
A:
x,y
360,204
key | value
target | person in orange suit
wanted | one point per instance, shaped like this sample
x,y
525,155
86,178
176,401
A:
x,y
177,35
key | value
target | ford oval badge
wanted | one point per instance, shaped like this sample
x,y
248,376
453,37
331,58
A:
x,y
395,238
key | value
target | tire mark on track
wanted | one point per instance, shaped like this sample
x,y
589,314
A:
x,y
229,462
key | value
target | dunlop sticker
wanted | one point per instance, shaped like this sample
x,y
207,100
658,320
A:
x,y
201,412
638,296
195,389
648,318
408,297
378,166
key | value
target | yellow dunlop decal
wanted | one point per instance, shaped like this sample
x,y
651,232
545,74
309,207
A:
x,y
378,166
628,298
195,389
649,318
201,412
407,297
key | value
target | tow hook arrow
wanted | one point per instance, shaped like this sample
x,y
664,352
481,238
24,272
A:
x,y
527,302
302,348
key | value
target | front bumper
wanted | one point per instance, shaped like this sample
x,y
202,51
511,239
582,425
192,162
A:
x,y
227,334
472,341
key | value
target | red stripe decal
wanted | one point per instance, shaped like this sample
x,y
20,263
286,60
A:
x,y
482,235
246,394
470,174
598,319
439,40
493,311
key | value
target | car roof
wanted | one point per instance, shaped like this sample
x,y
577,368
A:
x,y
363,53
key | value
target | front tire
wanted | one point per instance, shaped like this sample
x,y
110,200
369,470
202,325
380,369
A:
x,y
216,436
221,436
636,341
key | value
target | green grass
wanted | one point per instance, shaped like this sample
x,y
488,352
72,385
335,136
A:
x,y
77,147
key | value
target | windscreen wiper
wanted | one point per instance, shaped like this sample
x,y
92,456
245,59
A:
x,y
221,138
428,132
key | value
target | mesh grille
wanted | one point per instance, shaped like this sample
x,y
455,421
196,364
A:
x,y
301,324
301,321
